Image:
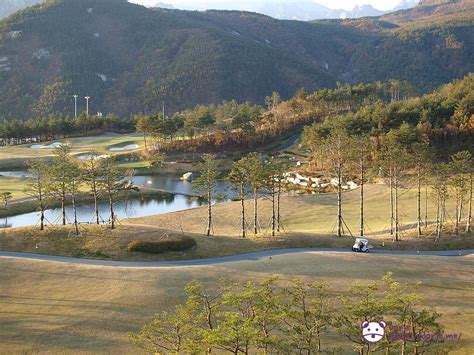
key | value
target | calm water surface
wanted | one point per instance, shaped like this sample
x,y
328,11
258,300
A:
x,y
139,207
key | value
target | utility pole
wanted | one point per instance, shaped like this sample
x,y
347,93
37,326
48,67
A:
x,y
163,111
75,106
87,105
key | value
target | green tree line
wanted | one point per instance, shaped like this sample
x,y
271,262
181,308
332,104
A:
x,y
273,316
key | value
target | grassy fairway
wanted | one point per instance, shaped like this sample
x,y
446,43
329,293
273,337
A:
x,y
14,185
305,213
59,308
101,144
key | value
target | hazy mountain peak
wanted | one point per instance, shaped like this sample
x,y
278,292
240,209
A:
x,y
7,7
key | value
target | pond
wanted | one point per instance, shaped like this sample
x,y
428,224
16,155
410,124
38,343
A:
x,y
174,185
180,199
15,174
169,183
137,207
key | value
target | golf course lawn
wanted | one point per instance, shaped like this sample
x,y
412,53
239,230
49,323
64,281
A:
x,y
52,307
14,185
100,144
303,213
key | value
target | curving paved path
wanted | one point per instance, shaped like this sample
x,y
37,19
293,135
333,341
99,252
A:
x,y
222,260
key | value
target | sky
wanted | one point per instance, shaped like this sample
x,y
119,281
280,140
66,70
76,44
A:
x,y
334,4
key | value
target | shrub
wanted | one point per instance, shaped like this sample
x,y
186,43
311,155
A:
x,y
162,246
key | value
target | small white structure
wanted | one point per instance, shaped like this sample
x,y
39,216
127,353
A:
x,y
42,54
352,185
15,34
102,77
301,177
187,177
335,182
5,64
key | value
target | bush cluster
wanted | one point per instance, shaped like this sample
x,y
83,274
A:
x,y
162,246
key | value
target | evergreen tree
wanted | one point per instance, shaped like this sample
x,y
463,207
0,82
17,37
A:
x,y
206,184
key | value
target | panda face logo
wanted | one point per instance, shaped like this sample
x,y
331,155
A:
x,y
373,332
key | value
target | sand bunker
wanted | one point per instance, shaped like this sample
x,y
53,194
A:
x,y
50,146
125,148
92,157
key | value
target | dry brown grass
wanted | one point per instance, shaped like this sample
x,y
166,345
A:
x,y
101,242
96,242
50,307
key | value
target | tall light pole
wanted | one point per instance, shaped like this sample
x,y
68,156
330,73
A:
x,y
87,105
75,106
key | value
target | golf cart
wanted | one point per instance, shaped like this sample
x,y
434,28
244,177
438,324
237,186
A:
x,y
361,245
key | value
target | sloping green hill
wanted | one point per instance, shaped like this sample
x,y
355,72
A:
x,y
129,58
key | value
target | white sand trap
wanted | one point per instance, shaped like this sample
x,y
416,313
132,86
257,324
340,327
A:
x,y
125,148
92,157
51,146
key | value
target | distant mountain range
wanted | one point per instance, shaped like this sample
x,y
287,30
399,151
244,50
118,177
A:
x,y
7,7
129,58
303,10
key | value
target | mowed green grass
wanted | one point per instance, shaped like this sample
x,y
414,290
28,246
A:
x,y
17,156
303,213
14,185
50,307
101,144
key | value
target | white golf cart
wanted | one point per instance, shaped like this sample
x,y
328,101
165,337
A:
x,y
361,245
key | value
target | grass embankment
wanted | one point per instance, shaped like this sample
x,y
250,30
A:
x,y
50,307
303,214
100,242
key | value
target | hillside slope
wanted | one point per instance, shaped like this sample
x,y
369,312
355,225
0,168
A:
x,y
129,58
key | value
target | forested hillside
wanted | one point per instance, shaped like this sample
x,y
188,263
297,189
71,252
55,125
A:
x,y
129,58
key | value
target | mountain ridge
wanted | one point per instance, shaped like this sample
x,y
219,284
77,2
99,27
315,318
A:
x,y
130,59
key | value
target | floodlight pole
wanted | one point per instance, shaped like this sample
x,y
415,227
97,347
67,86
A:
x,y
87,105
75,106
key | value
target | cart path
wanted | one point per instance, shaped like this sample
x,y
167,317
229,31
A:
x,y
222,260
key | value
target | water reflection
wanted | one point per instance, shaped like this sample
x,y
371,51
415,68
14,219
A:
x,y
181,197
137,207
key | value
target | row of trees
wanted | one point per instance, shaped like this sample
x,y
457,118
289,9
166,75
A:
x,y
273,317
401,157
199,120
55,127
252,175
230,124
67,177
446,116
